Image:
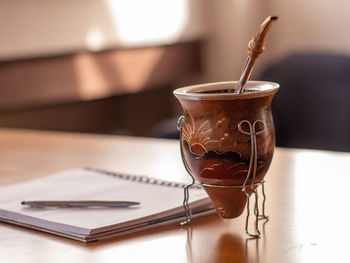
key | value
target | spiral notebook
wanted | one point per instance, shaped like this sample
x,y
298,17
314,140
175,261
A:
x,y
161,204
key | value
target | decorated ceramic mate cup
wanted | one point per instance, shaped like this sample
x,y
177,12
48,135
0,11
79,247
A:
x,y
227,139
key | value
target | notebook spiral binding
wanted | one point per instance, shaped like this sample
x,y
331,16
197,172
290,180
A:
x,y
140,178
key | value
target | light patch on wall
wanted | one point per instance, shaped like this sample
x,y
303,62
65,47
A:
x,y
94,39
130,70
139,21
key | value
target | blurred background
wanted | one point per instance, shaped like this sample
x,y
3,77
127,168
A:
x,y
104,66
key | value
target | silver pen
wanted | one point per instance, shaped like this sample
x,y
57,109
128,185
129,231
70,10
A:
x,y
82,203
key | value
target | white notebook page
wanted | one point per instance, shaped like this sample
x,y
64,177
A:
x,y
82,184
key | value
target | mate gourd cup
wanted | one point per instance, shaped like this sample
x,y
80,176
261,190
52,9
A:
x,y
227,139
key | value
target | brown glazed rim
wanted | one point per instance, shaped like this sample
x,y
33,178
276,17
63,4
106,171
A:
x,y
256,89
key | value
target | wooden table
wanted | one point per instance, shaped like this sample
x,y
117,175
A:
x,y
306,190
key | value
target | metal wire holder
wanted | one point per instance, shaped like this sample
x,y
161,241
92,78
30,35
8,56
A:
x,y
250,174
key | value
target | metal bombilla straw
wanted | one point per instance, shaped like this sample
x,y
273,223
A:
x,y
255,48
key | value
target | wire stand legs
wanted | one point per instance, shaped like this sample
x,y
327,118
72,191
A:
x,y
188,211
254,194
257,214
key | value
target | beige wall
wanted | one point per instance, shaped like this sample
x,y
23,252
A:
x,y
39,27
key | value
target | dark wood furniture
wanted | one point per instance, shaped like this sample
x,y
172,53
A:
x,y
100,92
